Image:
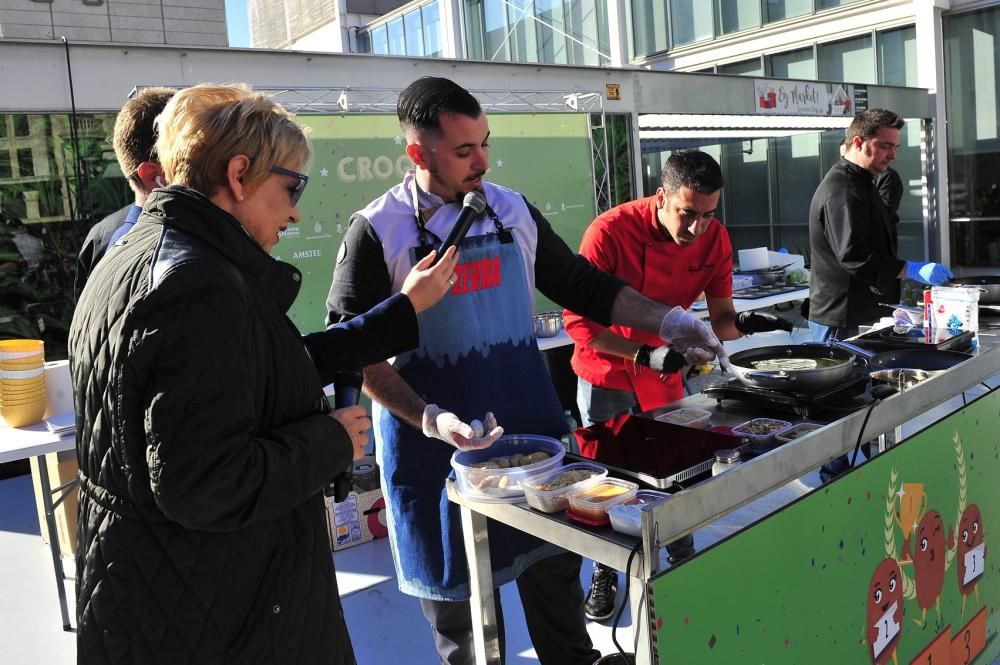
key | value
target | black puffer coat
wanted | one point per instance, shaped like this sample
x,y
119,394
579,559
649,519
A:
x,y
203,446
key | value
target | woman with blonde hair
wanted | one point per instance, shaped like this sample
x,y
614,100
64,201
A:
x,y
203,434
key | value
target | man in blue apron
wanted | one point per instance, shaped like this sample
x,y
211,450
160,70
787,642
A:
x,y
477,355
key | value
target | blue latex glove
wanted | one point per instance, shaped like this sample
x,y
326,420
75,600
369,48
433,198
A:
x,y
932,274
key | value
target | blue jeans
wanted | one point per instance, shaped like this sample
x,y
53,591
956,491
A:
x,y
598,405
822,333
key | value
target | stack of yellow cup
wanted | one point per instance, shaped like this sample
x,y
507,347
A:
x,y
22,381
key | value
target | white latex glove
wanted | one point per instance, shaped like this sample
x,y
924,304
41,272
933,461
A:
x,y
445,425
692,337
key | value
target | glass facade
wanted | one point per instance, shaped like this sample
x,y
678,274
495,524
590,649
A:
x,y
690,21
52,190
972,60
847,60
661,25
568,32
415,33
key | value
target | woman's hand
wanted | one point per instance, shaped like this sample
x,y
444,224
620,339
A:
x,y
426,284
357,423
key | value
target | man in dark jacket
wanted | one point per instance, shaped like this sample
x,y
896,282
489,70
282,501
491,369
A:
x,y
852,239
135,149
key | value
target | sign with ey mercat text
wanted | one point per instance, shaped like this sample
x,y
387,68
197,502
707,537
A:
x,y
809,98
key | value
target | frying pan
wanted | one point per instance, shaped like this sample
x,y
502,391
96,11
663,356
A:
x,y
989,287
928,360
798,380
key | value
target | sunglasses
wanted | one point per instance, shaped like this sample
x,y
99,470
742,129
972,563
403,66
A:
x,y
293,192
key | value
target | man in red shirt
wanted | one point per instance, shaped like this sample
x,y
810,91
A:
x,y
670,248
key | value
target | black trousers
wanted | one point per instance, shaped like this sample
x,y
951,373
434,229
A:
x,y
553,609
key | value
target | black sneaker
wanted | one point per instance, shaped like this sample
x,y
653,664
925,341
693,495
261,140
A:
x,y
600,603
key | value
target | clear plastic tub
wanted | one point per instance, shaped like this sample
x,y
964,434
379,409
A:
x,y
795,431
590,504
688,417
547,492
760,432
496,483
627,517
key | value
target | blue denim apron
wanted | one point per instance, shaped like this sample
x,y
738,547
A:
x,y
477,354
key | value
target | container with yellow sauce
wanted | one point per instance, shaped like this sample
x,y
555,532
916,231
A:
x,y
590,504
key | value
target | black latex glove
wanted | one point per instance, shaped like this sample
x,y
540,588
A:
x,y
663,359
749,323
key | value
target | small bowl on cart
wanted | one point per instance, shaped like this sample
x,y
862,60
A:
x,y
548,491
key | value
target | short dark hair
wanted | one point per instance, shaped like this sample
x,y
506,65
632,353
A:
x,y
694,169
420,106
867,123
135,134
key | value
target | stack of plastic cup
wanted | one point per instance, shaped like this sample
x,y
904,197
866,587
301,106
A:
x,y
22,381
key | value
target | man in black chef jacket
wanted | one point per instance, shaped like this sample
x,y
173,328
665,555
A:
x,y
853,241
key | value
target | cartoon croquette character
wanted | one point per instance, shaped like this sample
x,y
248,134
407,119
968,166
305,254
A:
x,y
928,562
885,611
971,552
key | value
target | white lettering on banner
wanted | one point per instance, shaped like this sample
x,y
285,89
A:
x,y
355,169
307,254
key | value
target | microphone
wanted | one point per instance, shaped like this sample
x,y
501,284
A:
x,y
346,392
473,206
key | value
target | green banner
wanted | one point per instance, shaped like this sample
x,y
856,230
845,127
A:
x,y
546,157
887,564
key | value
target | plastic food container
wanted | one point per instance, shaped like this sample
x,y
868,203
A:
x,y
590,504
547,492
627,517
795,431
696,418
760,432
482,475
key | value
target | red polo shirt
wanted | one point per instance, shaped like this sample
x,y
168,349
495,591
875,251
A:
x,y
628,242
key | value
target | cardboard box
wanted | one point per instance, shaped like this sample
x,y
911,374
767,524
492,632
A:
x,y
357,519
62,468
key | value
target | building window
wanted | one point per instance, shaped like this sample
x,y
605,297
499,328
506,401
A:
x,y
690,21
972,97
649,27
847,60
431,18
364,42
737,15
380,41
779,10
798,64
3,126
897,56
25,163
21,125
6,170
830,4
397,38
414,33
753,67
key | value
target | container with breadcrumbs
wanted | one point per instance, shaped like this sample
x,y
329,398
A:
x,y
688,417
548,492
590,504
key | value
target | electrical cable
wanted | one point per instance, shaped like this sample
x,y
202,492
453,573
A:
x,y
621,609
861,434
